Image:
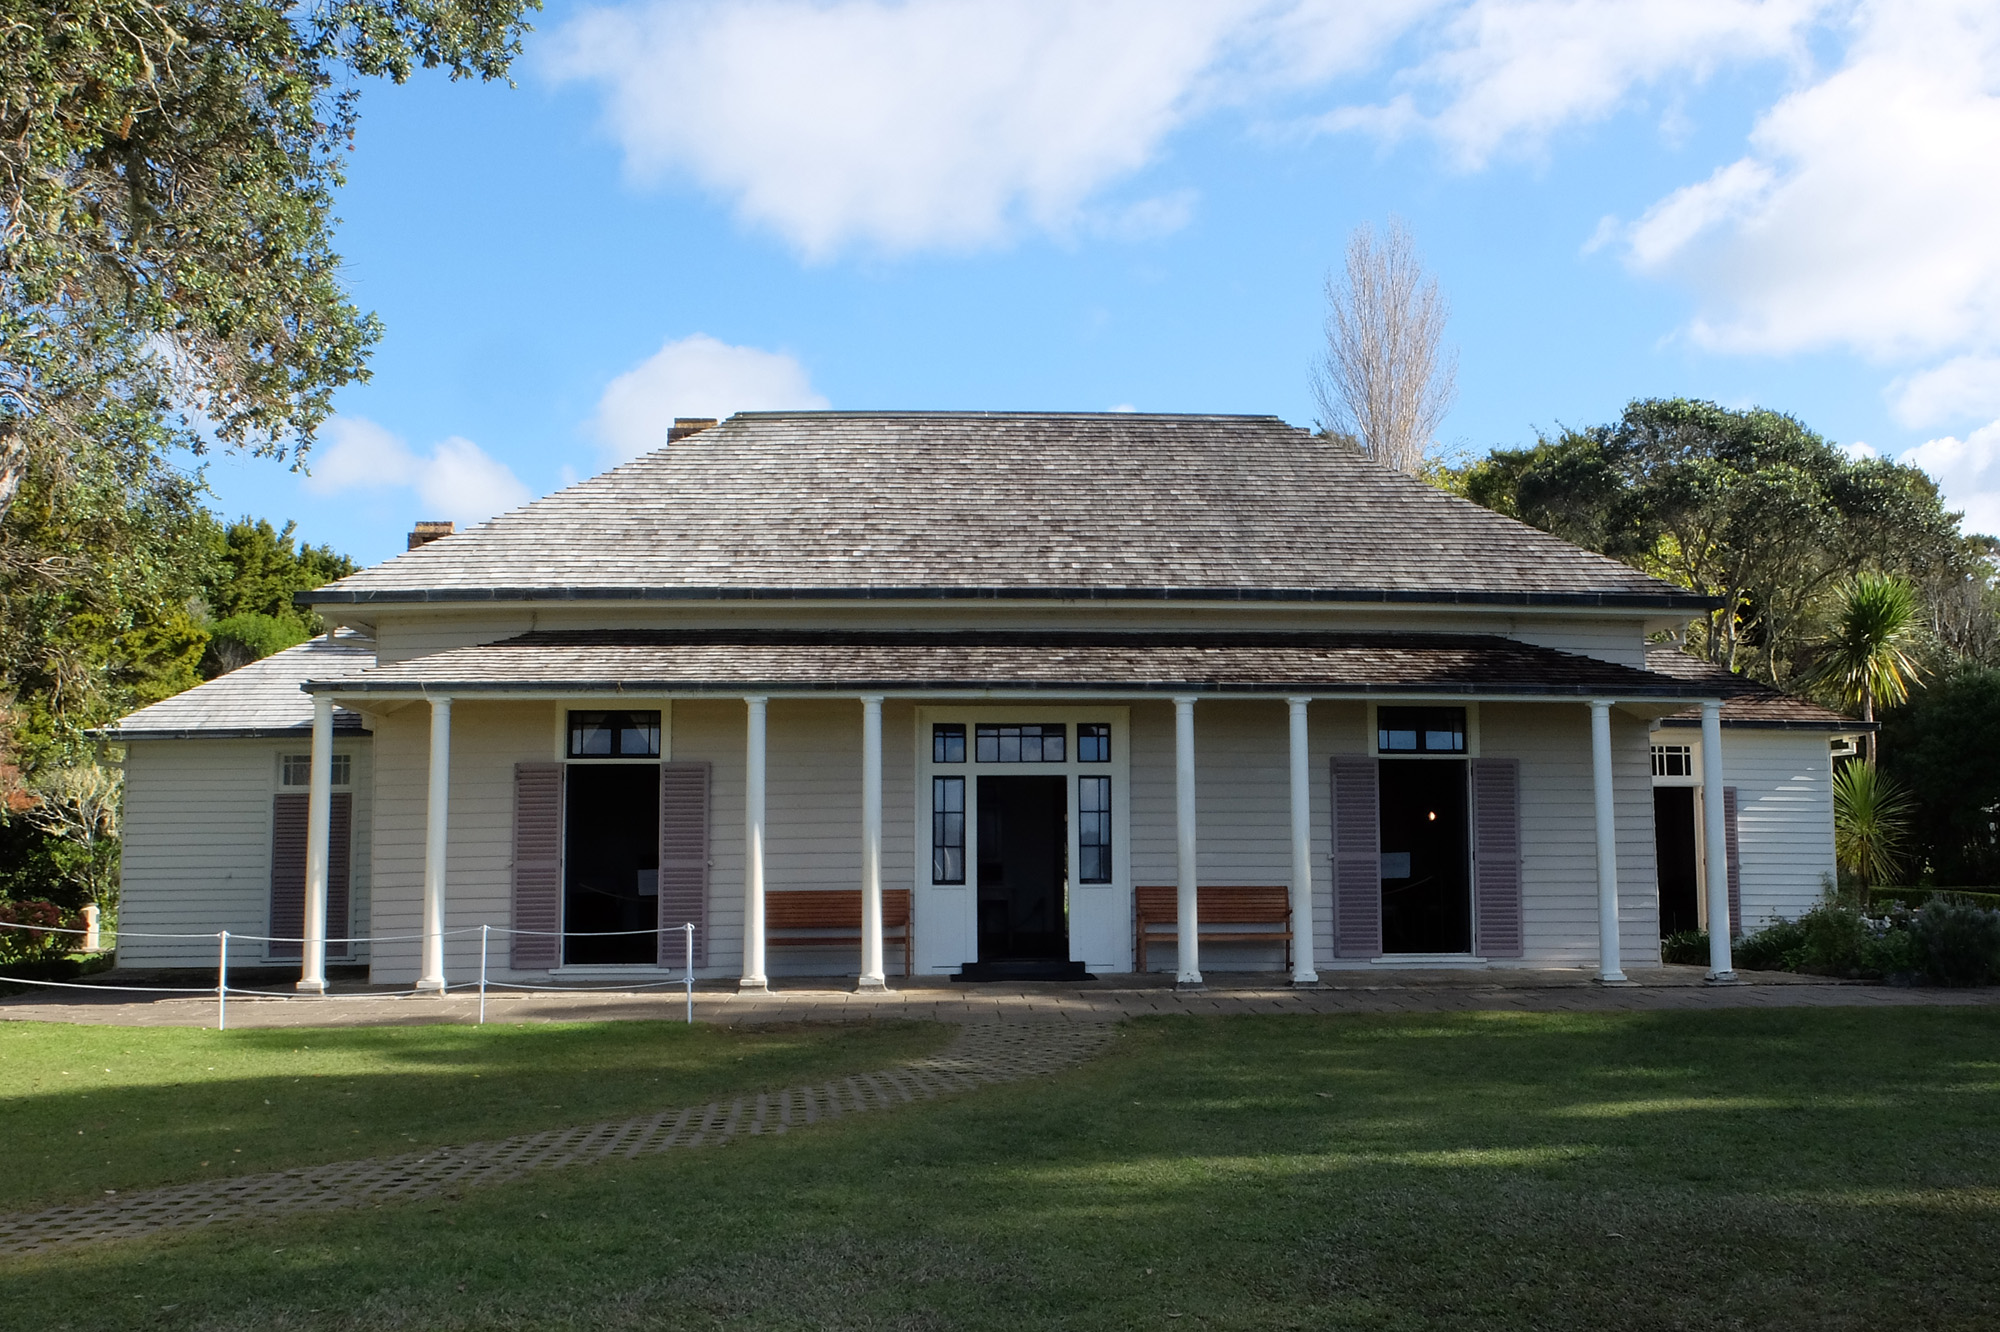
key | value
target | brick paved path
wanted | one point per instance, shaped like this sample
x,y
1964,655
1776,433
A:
x,y
982,1054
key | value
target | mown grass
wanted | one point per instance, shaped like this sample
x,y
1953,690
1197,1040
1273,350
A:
x,y
1821,1169
89,1109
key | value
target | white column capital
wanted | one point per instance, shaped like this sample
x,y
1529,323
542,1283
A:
x,y
1298,700
1185,700
872,700
1603,704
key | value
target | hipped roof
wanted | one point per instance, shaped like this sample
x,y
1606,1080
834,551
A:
x,y
1745,702
257,700
888,505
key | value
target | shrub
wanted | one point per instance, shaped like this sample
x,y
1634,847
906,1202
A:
x,y
1832,941
1916,897
1776,947
1960,941
32,945
1687,948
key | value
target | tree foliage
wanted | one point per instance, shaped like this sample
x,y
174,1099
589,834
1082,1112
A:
x,y
1868,657
167,168
1748,506
1943,747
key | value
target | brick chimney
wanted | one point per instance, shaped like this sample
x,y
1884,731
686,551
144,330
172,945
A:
x,y
689,425
425,533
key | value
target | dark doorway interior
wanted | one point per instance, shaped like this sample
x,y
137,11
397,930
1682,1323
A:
x,y
1673,841
1023,868
1426,869
611,860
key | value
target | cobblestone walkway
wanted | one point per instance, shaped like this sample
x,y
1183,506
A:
x,y
982,1054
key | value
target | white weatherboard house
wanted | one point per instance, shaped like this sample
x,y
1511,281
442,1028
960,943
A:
x,y
985,695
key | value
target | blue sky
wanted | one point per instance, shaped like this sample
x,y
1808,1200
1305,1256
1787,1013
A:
x,y
691,209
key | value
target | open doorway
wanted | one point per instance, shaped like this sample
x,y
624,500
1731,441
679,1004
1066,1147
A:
x,y
611,864
1674,851
1023,869
1426,863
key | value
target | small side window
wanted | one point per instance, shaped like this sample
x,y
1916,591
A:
x,y
948,742
296,770
1093,742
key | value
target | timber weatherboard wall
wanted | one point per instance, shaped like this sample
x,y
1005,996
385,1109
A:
x,y
1784,818
196,852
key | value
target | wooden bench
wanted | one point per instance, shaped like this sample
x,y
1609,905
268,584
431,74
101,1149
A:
x,y
1156,916
838,909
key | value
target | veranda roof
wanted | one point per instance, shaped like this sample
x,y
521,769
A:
x,y
934,505
1746,702
254,701
696,661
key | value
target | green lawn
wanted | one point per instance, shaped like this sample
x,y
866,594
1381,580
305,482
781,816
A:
x,y
86,1109
1832,1169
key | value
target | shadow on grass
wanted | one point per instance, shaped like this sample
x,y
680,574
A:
x,y
90,1109
1828,1169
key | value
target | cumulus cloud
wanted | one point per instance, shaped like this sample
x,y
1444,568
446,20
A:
x,y
695,376
1963,388
1968,472
457,479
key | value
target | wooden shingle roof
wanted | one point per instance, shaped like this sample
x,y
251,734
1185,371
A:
x,y
258,700
1746,702
1030,505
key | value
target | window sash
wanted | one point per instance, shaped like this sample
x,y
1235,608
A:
x,y
1420,730
1028,742
1093,742
948,742
947,830
1093,829
614,735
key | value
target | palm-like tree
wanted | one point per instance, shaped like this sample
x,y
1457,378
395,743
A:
x,y
1871,822
1867,657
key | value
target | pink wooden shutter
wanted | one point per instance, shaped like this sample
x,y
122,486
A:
x,y
683,861
339,839
1496,855
1734,861
537,866
1357,859
288,874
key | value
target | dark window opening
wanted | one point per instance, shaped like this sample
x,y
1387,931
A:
x,y
1674,846
1673,760
611,864
1093,743
1023,868
948,742
1093,828
1426,860
948,828
1032,743
1420,730
614,735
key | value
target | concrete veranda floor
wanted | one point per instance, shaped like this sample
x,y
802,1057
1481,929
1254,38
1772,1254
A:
x,y
833,999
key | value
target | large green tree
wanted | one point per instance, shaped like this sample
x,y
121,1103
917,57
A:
x,y
1749,506
167,170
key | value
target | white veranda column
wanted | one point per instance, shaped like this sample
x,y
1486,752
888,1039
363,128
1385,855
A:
x,y
1189,931
753,848
872,977
436,832
1715,845
319,819
1607,842
1303,972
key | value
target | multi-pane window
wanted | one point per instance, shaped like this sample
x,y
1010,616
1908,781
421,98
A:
x,y
296,769
1093,743
948,742
1033,742
614,735
1673,760
948,829
1093,828
1420,730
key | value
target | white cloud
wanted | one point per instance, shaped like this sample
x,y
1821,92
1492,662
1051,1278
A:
x,y
1963,388
1968,472
457,480
695,376
1863,216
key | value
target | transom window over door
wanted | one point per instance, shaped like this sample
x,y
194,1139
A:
x,y
614,735
1420,730
1029,742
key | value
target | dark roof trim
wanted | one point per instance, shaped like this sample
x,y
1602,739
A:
x,y
1766,724
652,688
1675,601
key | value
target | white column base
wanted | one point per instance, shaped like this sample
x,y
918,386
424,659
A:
x,y
753,985
1306,982
1613,978
1186,986
430,987
313,985
871,985
1723,978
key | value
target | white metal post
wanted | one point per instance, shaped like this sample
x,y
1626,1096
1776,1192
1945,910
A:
x,y
1608,968
1303,971
689,974
222,982
485,932
319,821
1715,846
753,849
872,977
436,833
1188,932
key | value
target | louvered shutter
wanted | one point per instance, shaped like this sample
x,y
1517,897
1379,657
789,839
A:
x,y
1357,859
537,866
1734,861
339,836
1496,855
288,874
683,861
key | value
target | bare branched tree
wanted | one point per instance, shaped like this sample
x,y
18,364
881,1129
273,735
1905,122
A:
x,y
1386,380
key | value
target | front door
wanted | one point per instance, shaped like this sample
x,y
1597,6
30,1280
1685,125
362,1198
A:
x,y
1674,846
1426,865
1023,868
611,863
